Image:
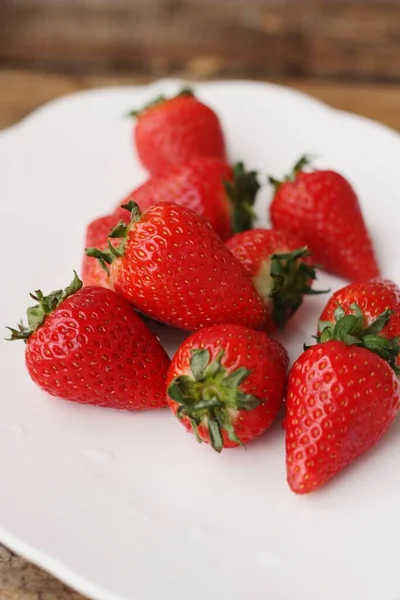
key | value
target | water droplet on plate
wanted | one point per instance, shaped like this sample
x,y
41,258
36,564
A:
x,y
97,455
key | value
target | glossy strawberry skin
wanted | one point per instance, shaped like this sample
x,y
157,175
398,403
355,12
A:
x,y
198,185
267,361
254,248
177,270
340,401
175,131
94,349
97,236
373,296
323,209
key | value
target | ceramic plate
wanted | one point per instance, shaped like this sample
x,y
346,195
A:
x,y
128,506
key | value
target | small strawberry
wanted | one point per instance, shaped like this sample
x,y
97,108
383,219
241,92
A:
x,y
323,209
87,345
172,131
97,235
226,384
342,397
280,267
373,296
208,186
173,267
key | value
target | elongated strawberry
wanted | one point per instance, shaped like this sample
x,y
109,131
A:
x,y
342,397
173,131
280,267
323,209
87,345
226,384
210,187
97,235
373,296
172,266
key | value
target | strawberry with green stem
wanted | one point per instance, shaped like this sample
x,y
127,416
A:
x,y
172,131
226,384
173,267
87,345
342,397
322,208
221,194
280,267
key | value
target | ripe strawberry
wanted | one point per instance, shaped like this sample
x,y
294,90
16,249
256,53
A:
x,y
208,186
280,267
373,296
226,384
172,131
97,235
88,345
322,208
172,266
342,397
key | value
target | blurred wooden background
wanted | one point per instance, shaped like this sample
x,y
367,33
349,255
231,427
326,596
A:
x,y
357,39
346,52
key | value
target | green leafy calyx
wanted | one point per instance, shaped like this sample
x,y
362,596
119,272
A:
x,y
292,279
211,396
120,231
350,329
45,305
242,192
157,101
304,161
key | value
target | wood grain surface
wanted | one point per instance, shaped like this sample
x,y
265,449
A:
x,y
344,39
21,92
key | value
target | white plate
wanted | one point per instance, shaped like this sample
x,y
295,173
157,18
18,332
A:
x,y
128,506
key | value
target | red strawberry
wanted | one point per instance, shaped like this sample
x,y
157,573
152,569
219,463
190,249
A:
x,y
208,186
373,296
97,235
88,345
342,397
172,266
226,384
322,208
280,267
172,131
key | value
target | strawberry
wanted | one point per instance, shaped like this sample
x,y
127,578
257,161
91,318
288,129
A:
x,y
373,296
173,267
87,345
172,131
97,235
322,208
280,267
226,384
342,397
208,186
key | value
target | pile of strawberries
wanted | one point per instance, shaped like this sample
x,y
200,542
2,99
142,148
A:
x,y
181,250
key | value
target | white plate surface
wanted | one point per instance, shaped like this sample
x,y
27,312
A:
x,y
128,506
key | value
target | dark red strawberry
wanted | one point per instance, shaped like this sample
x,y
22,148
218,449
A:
x,y
210,187
173,267
97,235
280,267
173,131
226,384
88,345
322,208
342,397
373,296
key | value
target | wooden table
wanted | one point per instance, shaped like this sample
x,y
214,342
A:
x,y
21,92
